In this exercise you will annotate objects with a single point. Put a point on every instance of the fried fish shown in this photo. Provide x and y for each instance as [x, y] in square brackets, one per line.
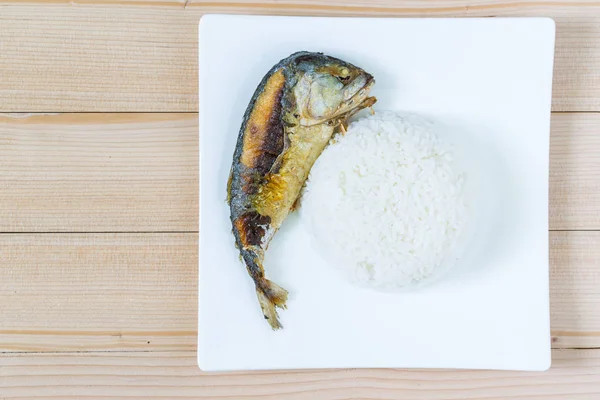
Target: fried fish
[298, 106]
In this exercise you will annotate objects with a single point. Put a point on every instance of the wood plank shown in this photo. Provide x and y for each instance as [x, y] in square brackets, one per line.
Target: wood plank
[575, 289]
[128, 55]
[139, 172]
[98, 291]
[575, 171]
[80, 292]
[77, 58]
[99, 172]
[575, 375]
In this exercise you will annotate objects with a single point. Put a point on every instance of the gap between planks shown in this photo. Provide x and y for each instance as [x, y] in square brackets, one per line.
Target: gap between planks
[25, 114]
[16, 353]
[92, 232]
[193, 232]
[116, 351]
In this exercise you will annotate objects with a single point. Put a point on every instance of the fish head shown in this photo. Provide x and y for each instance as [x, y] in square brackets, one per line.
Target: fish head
[328, 89]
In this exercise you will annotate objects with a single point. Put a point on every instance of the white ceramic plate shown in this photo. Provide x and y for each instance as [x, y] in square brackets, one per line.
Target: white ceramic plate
[487, 83]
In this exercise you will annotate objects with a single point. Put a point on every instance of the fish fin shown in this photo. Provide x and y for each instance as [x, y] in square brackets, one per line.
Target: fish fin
[270, 295]
[229, 181]
[295, 205]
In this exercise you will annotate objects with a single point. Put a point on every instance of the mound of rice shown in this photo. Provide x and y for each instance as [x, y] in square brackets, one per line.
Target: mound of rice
[384, 204]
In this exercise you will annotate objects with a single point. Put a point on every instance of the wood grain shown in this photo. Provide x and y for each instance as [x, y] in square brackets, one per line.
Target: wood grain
[575, 289]
[445, 6]
[124, 305]
[139, 172]
[575, 171]
[128, 55]
[575, 375]
[82, 292]
[99, 172]
[98, 291]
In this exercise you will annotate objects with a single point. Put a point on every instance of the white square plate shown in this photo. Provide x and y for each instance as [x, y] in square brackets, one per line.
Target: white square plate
[488, 80]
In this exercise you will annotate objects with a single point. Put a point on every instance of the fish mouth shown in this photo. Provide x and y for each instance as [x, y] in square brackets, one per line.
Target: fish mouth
[356, 97]
[359, 85]
[359, 96]
[359, 100]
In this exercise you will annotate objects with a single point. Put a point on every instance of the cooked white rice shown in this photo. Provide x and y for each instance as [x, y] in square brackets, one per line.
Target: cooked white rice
[385, 203]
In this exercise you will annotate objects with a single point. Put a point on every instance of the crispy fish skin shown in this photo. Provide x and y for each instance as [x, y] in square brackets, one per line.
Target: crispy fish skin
[294, 112]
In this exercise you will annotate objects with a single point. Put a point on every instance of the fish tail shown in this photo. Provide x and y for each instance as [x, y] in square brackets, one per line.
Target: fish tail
[270, 295]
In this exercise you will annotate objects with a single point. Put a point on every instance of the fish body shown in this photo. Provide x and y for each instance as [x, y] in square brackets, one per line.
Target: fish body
[300, 103]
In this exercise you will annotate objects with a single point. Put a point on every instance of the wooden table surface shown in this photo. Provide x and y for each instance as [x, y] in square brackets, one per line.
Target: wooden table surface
[99, 196]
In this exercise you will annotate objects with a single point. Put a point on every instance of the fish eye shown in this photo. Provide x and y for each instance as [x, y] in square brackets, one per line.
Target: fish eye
[343, 75]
